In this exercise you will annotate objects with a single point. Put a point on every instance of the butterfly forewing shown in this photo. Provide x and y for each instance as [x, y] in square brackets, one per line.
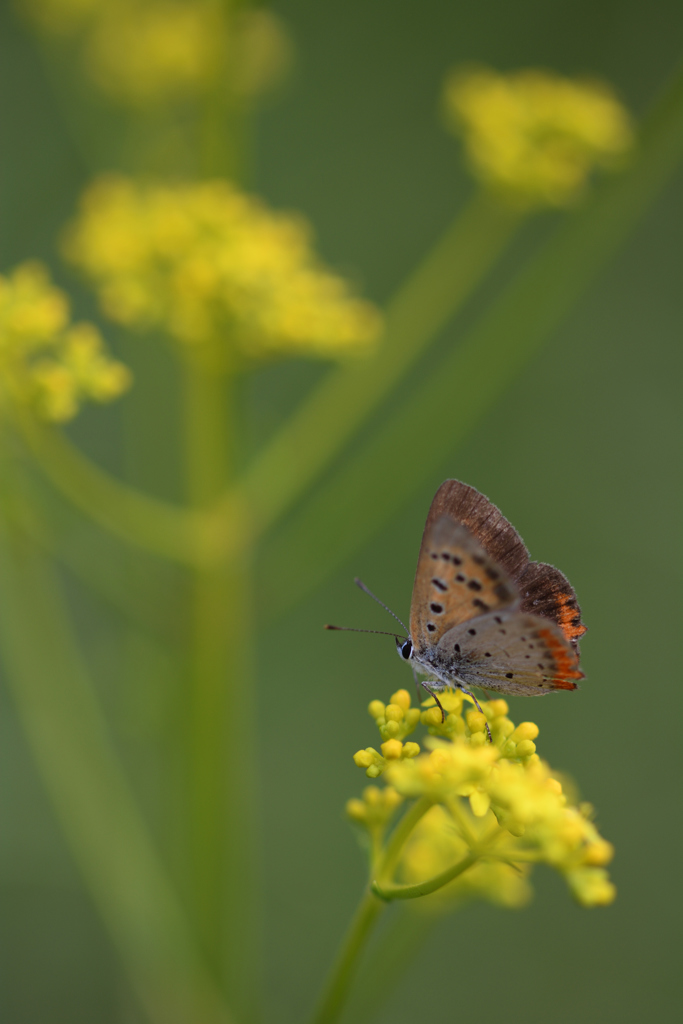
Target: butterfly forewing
[511, 652]
[543, 590]
[455, 581]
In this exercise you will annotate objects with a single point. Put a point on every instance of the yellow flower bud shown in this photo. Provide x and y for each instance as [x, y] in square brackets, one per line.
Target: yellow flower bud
[497, 708]
[355, 809]
[599, 853]
[376, 709]
[432, 716]
[392, 749]
[412, 718]
[364, 758]
[476, 722]
[402, 698]
[525, 731]
[393, 713]
[411, 749]
[525, 749]
[372, 794]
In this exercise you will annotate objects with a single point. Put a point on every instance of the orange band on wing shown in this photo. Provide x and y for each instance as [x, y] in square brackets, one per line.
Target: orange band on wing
[568, 619]
[565, 661]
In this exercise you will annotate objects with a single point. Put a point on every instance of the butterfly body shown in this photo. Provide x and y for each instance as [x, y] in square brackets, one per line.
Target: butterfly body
[482, 614]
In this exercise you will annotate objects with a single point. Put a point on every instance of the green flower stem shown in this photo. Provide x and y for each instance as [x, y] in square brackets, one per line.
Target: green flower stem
[158, 527]
[327, 419]
[220, 721]
[342, 974]
[411, 892]
[385, 866]
[102, 824]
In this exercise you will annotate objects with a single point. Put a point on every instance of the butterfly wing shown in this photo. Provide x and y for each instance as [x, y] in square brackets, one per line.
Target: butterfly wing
[547, 592]
[543, 590]
[456, 581]
[510, 652]
[485, 522]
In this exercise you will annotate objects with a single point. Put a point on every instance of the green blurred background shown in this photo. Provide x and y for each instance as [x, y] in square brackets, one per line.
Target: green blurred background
[582, 454]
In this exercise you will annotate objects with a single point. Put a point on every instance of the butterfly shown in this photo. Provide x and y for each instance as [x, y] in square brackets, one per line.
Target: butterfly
[482, 614]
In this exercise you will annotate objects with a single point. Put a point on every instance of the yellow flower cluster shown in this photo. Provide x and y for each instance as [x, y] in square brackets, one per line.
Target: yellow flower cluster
[47, 363]
[496, 801]
[535, 136]
[147, 52]
[395, 721]
[210, 265]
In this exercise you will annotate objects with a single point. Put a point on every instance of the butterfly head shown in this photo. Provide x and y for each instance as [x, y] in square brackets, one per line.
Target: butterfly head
[404, 648]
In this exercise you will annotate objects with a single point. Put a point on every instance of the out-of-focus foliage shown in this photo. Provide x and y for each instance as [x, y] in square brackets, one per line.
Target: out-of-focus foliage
[150, 52]
[47, 363]
[535, 136]
[213, 266]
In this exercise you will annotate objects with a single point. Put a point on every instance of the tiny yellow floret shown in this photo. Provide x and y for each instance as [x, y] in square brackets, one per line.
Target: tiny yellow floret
[476, 721]
[402, 698]
[392, 749]
[525, 731]
[376, 709]
[363, 758]
[393, 713]
[432, 716]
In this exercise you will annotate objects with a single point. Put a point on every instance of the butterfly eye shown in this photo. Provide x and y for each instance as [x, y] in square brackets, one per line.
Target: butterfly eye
[405, 650]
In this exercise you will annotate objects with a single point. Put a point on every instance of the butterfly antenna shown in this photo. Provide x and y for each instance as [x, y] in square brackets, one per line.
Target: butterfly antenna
[352, 629]
[359, 583]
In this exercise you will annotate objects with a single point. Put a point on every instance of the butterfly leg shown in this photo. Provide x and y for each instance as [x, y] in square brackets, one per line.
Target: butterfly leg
[431, 692]
[478, 707]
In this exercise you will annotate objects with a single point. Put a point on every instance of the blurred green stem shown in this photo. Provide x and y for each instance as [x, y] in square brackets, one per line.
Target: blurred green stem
[336, 991]
[220, 722]
[337, 988]
[91, 796]
[159, 527]
[324, 422]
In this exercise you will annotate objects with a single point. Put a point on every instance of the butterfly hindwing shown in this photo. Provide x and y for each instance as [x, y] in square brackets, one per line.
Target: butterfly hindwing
[511, 652]
[547, 592]
[456, 580]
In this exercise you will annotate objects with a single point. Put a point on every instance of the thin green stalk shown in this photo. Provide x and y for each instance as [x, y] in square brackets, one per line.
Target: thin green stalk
[320, 427]
[337, 989]
[341, 976]
[157, 526]
[221, 720]
[102, 824]
[411, 892]
[397, 839]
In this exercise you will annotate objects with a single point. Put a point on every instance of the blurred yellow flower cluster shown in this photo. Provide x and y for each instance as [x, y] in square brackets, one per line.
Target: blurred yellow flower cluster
[47, 363]
[534, 135]
[496, 801]
[146, 52]
[211, 265]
